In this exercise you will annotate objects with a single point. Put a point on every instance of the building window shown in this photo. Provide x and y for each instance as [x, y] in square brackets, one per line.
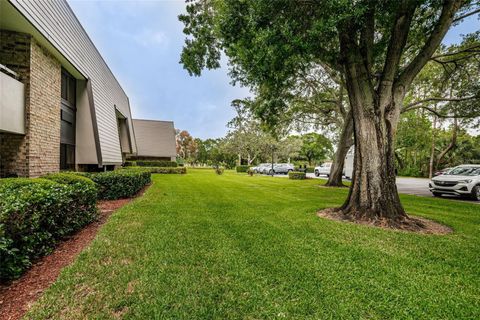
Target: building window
[68, 122]
[67, 156]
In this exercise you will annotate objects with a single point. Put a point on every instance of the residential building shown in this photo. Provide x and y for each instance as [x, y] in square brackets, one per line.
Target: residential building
[61, 107]
[155, 140]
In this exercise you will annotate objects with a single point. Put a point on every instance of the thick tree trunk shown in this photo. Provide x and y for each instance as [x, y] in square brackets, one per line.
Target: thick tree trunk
[344, 144]
[376, 107]
[373, 193]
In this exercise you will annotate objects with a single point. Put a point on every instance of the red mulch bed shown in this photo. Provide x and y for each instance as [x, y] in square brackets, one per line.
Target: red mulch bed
[17, 297]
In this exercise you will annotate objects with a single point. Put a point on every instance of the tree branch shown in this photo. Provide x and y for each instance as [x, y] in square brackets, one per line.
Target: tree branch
[367, 34]
[438, 114]
[432, 43]
[472, 49]
[463, 16]
[412, 105]
[397, 44]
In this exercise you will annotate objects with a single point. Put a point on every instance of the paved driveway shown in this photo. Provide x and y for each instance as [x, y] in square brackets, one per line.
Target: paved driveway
[407, 185]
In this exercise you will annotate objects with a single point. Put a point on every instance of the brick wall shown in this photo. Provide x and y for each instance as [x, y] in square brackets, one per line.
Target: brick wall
[43, 117]
[15, 54]
[38, 151]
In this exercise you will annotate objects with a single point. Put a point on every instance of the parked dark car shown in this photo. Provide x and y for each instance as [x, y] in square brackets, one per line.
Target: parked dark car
[442, 171]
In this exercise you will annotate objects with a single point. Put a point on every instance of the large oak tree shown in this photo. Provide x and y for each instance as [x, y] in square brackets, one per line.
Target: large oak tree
[378, 46]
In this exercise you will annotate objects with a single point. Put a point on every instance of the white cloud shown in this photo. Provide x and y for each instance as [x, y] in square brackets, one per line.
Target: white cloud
[149, 38]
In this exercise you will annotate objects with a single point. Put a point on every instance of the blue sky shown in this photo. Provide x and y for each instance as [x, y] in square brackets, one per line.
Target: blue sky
[141, 42]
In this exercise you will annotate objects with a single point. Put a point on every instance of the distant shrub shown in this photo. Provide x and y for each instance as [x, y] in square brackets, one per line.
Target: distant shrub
[410, 172]
[295, 175]
[242, 168]
[250, 172]
[303, 169]
[156, 163]
[130, 164]
[219, 170]
[36, 213]
[162, 170]
[120, 183]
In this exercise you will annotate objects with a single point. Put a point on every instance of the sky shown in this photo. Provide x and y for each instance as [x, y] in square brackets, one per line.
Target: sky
[141, 41]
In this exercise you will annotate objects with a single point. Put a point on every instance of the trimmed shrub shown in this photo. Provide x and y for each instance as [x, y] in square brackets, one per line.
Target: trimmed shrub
[130, 164]
[156, 163]
[120, 183]
[163, 170]
[219, 170]
[295, 175]
[83, 207]
[36, 213]
[303, 169]
[242, 168]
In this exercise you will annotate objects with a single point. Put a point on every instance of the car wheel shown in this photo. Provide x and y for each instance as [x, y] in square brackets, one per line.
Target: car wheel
[476, 193]
[328, 175]
[317, 174]
[436, 194]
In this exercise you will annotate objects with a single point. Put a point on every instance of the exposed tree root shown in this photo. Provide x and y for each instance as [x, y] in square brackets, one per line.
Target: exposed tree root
[407, 223]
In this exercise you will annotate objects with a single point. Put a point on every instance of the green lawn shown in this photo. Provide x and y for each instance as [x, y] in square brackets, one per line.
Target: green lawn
[202, 246]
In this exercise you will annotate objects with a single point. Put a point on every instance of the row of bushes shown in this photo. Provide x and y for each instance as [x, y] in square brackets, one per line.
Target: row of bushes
[163, 170]
[36, 213]
[152, 163]
[119, 183]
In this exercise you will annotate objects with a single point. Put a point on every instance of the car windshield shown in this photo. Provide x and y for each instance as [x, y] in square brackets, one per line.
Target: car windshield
[464, 171]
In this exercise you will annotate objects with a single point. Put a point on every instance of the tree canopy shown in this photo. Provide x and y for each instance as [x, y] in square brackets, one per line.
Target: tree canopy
[378, 47]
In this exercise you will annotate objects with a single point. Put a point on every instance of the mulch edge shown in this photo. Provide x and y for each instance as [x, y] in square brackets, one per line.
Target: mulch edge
[413, 224]
[18, 296]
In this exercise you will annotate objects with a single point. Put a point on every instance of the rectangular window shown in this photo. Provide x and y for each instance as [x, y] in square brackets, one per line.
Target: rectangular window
[67, 122]
[67, 157]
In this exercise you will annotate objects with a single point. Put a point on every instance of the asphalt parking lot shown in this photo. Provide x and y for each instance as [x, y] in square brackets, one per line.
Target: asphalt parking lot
[406, 185]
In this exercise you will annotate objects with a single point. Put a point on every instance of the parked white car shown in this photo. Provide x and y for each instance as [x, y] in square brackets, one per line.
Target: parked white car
[463, 180]
[262, 168]
[281, 168]
[323, 169]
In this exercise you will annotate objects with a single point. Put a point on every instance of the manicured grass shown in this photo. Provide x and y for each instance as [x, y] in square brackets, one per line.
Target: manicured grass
[203, 246]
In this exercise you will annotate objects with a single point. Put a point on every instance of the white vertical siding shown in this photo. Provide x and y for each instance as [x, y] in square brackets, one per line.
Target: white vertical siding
[56, 21]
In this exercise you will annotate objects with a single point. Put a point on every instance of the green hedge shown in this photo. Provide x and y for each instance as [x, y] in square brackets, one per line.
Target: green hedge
[157, 163]
[294, 175]
[120, 183]
[130, 164]
[242, 168]
[36, 213]
[163, 170]
[309, 169]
